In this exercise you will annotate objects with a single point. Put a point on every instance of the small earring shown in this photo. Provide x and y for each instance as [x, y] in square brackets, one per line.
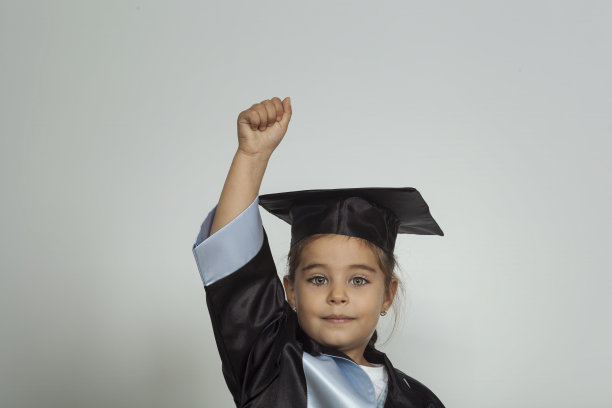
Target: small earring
[295, 309]
[383, 313]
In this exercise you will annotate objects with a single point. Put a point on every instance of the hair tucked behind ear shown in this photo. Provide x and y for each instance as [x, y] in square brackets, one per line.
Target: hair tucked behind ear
[386, 262]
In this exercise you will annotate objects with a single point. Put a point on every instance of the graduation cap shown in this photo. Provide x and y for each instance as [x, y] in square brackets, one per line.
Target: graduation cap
[376, 214]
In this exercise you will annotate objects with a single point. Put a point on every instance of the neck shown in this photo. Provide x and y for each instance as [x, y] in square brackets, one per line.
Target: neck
[357, 356]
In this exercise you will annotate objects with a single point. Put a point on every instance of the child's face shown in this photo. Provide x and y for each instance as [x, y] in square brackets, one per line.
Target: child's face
[339, 276]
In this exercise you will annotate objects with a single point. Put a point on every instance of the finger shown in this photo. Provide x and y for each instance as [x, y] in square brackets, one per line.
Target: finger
[250, 117]
[287, 112]
[278, 106]
[254, 114]
[263, 115]
[271, 112]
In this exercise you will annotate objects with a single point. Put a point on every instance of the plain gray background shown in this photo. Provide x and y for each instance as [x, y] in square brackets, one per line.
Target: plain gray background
[119, 125]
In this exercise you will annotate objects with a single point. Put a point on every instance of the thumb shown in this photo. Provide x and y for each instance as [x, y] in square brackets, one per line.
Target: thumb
[287, 113]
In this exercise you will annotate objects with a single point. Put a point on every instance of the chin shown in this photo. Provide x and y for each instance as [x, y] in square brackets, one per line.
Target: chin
[337, 342]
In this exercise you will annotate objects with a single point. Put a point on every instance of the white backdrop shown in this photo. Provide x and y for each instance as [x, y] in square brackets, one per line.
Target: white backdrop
[119, 125]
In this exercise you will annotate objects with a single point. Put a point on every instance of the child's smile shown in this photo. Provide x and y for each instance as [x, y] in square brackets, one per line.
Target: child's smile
[338, 319]
[339, 293]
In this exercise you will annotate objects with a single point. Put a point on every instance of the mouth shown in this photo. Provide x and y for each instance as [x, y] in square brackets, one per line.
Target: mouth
[338, 319]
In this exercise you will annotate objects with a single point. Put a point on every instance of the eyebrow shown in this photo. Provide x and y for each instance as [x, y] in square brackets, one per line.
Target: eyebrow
[353, 266]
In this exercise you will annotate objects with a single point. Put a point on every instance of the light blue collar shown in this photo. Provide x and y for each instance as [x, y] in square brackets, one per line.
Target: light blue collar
[333, 381]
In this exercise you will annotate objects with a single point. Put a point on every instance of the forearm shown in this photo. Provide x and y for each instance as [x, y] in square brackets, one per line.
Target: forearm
[260, 130]
[240, 189]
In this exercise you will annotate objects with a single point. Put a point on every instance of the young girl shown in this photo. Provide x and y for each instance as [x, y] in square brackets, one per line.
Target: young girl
[314, 348]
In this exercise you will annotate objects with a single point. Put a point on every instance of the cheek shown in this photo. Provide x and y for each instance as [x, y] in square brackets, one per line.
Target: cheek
[371, 299]
[306, 297]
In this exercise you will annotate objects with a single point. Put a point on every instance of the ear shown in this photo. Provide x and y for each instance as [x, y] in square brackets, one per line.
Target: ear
[289, 291]
[390, 295]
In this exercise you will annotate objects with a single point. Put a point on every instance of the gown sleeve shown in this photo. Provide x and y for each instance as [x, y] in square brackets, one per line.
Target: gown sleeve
[245, 299]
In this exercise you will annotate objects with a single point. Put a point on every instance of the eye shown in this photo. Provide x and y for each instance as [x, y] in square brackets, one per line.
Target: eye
[318, 280]
[359, 281]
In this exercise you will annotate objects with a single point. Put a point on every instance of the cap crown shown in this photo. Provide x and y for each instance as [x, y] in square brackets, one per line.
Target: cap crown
[376, 214]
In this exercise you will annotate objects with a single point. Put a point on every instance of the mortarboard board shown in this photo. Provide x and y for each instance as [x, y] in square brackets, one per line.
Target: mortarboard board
[376, 214]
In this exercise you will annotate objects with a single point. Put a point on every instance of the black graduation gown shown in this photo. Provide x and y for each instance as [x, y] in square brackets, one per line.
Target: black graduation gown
[261, 344]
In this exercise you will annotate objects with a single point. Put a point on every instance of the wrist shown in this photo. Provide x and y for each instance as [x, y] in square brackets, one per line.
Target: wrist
[250, 168]
[256, 159]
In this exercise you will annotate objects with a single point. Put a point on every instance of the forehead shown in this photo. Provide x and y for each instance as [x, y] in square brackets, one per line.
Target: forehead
[334, 249]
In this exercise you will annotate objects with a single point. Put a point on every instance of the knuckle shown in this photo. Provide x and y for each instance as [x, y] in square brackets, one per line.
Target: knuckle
[253, 116]
[268, 105]
[278, 105]
[261, 111]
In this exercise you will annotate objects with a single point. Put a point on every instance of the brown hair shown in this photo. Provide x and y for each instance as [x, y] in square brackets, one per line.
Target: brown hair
[386, 262]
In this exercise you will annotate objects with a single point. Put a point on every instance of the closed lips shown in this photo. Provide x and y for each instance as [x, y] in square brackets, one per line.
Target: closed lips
[338, 318]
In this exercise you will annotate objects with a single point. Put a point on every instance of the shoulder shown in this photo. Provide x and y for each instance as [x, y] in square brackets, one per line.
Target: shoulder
[417, 390]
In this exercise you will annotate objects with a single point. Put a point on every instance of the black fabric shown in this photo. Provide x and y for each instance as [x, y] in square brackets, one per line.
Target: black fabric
[376, 214]
[261, 344]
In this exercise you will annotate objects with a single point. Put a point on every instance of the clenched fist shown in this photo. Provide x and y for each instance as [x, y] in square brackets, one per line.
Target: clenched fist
[262, 127]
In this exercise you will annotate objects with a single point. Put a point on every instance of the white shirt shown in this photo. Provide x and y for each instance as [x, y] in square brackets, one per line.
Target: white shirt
[378, 375]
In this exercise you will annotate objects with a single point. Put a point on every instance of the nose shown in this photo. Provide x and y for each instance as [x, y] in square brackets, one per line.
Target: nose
[337, 295]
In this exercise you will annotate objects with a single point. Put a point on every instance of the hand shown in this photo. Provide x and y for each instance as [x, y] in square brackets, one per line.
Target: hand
[262, 127]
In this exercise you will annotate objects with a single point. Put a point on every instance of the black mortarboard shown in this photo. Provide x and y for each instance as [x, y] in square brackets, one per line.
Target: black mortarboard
[376, 214]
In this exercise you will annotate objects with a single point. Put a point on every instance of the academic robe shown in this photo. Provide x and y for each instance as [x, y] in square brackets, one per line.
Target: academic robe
[267, 360]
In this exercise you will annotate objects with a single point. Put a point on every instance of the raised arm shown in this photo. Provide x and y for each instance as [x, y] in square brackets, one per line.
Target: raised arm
[244, 295]
[260, 130]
